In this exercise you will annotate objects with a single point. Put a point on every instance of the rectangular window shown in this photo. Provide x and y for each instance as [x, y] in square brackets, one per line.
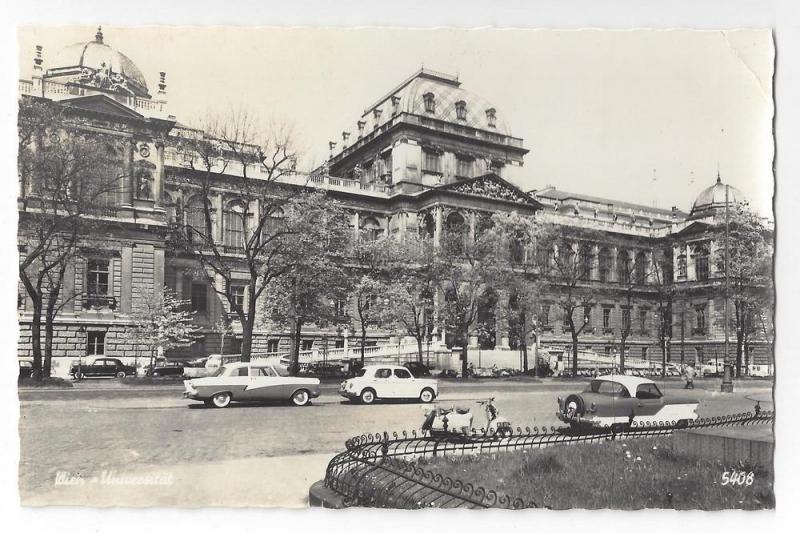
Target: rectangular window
[644, 353]
[626, 320]
[544, 315]
[643, 321]
[307, 345]
[587, 316]
[95, 343]
[340, 307]
[701, 264]
[237, 291]
[97, 277]
[430, 162]
[199, 298]
[272, 345]
[606, 318]
[233, 222]
[464, 167]
[700, 320]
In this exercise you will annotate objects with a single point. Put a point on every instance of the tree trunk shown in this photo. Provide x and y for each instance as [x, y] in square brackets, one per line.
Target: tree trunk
[297, 328]
[464, 354]
[363, 341]
[574, 333]
[739, 350]
[36, 340]
[419, 348]
[48, 347]
[622, 345]
[524, 355]
[247, 337]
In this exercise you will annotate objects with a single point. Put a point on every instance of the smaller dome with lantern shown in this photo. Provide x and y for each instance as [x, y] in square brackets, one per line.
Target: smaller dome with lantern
[712, 199]
[95, 64]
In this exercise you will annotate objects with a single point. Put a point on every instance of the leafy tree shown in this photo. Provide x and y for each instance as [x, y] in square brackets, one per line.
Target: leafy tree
[411, 291]
[749, 275]
[566, 274]
[163, 323]
[304, 294]
[255, 237]
[463, 273]
[65, 173]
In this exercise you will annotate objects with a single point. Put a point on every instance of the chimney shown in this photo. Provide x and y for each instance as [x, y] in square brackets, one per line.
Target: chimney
[331, 147]
[345, 136]
[162, 83]
[674, 212]
[99, 35]
[377, 114]
[37, 60]
[395, 105]
[361, 124]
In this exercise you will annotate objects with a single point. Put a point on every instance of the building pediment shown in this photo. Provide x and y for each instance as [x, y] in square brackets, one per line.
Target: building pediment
[493, 187]
[100, 103]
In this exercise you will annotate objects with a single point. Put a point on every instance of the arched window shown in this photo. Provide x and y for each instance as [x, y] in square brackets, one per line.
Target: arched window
[604, 264]
[682, 270]
[491, 117]
[170, 208]
[640, 268]
[623, 267]
[233, 224]
[273, 223]
[585, 262]
[456, 230]
[197, 230]
[567, 258]
[371, 229]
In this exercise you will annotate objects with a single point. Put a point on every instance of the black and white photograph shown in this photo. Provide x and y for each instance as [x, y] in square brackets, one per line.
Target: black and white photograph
[395, 268]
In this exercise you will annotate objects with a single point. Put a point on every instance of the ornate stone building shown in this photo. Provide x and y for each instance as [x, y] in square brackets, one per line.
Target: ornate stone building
[427, 157]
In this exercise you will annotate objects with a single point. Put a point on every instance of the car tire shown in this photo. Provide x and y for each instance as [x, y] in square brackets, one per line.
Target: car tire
[301, 398]
[427, 395]
[367, 396]
[121, 374]
[221, 400]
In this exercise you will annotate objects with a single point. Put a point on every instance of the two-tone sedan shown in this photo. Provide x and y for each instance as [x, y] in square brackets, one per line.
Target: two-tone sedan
[388, 382]
[617, 401]
[251, 382]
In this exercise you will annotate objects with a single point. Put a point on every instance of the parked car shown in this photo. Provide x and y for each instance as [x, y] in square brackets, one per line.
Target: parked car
[417, 369]
[171, 368]
[387, 381]
[617, 401]
[248, 382]
[108, 367]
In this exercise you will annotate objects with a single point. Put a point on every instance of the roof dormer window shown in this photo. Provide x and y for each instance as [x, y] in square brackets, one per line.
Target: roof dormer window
[430, 102]
[491, 117]
[461, 110]
[395, 105]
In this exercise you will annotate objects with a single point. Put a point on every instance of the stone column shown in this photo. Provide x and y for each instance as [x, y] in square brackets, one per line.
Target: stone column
[649, 268]
[356, 222]
[217, 219]
[594, 274]
[128, 181]
[472, 216]
[437, 232]
[159, 175]
[126, 271]
[614, 252]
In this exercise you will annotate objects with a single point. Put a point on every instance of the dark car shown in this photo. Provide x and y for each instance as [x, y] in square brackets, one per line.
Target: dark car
[166, 369]
[25, 369]
[417, 369]
[102, 367]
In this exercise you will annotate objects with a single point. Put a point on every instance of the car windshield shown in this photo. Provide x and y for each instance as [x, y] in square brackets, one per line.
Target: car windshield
[220, 371]
[361, 373]
[612, 388]
[282, 372]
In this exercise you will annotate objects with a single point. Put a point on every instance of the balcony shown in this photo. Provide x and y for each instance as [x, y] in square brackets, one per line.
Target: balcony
[96, 302]
[608, 331]
[699, 332]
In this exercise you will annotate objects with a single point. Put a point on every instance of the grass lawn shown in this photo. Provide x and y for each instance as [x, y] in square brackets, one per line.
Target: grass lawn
[633, 474]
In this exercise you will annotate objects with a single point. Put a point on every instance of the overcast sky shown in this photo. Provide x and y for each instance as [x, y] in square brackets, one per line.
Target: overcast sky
[644, 116]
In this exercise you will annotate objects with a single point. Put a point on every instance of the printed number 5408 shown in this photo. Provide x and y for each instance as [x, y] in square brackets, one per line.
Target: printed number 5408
[737, 478]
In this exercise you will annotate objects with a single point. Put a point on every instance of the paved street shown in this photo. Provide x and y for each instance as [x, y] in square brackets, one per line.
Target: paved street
[250, 455]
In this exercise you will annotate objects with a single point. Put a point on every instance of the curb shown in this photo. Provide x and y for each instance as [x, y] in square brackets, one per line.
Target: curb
[321, 496]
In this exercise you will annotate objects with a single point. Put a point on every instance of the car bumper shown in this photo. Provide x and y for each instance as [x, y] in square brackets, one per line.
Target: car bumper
[349, 394]
[581, 420]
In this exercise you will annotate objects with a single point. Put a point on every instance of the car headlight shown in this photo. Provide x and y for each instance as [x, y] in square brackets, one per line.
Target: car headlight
[350, 385]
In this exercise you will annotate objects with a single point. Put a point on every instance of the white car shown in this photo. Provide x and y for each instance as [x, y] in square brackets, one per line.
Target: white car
[388, 381]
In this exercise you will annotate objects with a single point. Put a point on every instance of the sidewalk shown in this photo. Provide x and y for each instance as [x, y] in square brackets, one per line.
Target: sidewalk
[233, 483]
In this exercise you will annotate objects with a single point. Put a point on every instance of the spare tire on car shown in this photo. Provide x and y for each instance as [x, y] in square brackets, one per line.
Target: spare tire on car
[574, 405]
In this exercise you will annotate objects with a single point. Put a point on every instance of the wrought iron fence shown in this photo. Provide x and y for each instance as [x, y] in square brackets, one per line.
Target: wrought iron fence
[376, 470]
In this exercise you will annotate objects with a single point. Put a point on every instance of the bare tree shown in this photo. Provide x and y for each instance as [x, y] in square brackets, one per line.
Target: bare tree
[64, 173]
[230, 159]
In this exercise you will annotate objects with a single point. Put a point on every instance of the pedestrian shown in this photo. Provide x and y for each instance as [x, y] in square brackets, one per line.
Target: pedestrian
[690, 373]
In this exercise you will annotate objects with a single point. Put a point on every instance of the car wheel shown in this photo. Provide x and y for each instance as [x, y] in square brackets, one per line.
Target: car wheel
[367, 396]
[121, 374]
[221, 399]
[426, 396]
[301, 397]
[574, 405]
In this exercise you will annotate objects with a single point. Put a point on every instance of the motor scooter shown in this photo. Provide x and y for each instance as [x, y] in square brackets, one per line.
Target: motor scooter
[457, 421]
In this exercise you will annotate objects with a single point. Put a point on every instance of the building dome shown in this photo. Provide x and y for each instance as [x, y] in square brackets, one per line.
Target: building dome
[96, 64]
[714, 197]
